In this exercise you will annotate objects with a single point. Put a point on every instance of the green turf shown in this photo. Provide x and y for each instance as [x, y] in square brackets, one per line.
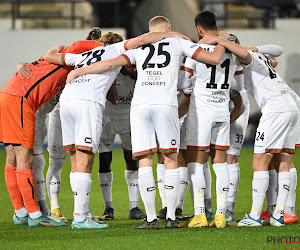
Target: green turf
[122, 233]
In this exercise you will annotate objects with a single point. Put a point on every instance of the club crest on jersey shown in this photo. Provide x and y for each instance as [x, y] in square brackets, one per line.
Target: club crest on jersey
[173, 142]
[88, 140]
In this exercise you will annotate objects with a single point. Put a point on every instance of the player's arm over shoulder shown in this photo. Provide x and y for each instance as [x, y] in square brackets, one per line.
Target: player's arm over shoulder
[150, 37]
[243, 55]
[269, 50]
[98, 67]
[54, 55]
[196, 52]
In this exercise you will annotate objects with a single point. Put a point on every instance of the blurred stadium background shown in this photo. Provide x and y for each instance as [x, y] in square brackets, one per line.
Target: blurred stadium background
[28, 28]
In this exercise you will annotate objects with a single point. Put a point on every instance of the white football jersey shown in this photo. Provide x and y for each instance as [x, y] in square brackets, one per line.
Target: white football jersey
[92, 87]
[293, 94]
[185, 82]
[263, 83]
[210, 96]
[185, 78]
[125, 88]
[158, 65]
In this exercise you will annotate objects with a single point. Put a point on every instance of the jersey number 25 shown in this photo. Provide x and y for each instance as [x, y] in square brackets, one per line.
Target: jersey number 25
[147, 63]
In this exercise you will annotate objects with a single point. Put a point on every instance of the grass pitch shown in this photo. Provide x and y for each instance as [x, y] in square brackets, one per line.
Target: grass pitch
[122, 233]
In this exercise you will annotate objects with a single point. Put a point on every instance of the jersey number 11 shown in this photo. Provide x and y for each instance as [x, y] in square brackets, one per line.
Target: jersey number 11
[212, 84]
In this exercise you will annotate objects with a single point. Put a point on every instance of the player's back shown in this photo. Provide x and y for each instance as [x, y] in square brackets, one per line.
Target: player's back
[292, 93]
[158, 66]
[47, 79]
[92, 87]
[263, 83]
[211, 91]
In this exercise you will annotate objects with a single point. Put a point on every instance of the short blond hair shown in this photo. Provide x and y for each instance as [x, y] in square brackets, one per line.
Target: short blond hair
[159, 20]
[111, 38]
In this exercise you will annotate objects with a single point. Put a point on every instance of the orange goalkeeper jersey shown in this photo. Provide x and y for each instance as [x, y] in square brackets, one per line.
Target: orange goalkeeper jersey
[47, 78]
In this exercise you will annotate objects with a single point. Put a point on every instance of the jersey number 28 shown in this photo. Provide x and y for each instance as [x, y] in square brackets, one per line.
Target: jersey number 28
[96, 56]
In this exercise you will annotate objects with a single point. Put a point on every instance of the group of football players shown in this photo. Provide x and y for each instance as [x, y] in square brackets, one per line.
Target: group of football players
[162, 94]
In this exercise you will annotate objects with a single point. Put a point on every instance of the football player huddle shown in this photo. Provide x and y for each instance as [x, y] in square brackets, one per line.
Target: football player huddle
[161, 93]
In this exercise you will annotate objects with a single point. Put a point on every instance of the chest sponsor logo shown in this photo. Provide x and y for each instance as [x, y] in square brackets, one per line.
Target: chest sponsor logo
[81, 79]
[218, 96]
[153, 78]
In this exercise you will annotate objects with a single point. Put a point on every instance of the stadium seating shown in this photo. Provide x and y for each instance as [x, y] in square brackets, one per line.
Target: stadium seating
[50, 15]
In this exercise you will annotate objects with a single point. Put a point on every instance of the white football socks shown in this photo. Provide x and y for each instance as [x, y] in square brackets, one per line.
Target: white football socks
[133, 187]
[172, 182]
[272, 191]
[82, 187]
[222, 186]
[260, 185]
[284, 181]
[148, 191]
[160, 170]
[291, 201]
[72, 184]
[105, 180]
[72, 181]
[53, 179]
[39, 181]
[21, 212]
[234, 177]
[195, 171]
[183, 187]
[207, 191]
[35, 214]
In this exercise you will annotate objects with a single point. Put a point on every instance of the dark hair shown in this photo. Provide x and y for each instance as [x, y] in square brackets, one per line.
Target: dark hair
[206, 19]
[233, 38]
[94, 34]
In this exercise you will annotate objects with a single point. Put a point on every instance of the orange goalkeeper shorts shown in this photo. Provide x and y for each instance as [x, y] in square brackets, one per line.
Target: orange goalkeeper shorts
[17, 121]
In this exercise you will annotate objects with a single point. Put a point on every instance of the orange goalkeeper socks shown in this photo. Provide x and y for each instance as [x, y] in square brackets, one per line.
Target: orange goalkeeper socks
[26, 185]
[13, 188]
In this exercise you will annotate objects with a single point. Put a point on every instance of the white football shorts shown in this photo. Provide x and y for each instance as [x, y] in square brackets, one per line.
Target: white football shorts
[55, 140]
[81, 122]
[237, 133]
[149, 122]
[205, 134]
[276, 133]
[297, 131]
[182, 127]
[112, 127]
